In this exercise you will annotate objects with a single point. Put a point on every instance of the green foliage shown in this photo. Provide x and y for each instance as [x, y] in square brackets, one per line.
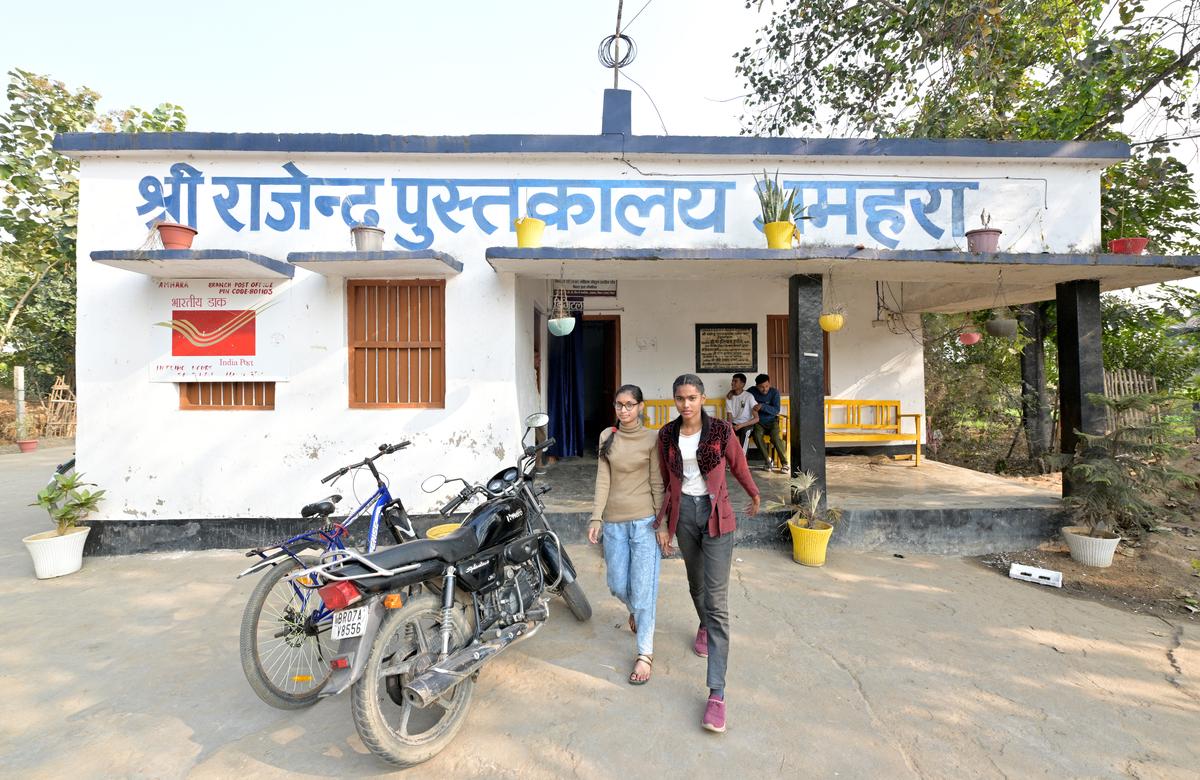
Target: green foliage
[777, 204]
[1138, 335]
[68, 500]
[806, 502]
[39, 202]
[1116, 474]
[1027, 70]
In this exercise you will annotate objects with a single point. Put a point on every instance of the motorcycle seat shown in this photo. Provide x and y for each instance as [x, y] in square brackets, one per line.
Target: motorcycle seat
[449, 549]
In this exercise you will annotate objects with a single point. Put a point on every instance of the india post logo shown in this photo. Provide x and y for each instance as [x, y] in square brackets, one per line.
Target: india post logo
[212, 333]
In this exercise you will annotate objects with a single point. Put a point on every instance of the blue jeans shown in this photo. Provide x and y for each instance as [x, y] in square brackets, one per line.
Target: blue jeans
[631, 556]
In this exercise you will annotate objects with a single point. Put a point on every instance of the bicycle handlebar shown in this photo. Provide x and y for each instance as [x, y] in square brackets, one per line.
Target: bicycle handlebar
[384, 449]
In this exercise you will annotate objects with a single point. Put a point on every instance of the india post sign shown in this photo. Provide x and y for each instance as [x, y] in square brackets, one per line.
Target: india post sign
[219, 330]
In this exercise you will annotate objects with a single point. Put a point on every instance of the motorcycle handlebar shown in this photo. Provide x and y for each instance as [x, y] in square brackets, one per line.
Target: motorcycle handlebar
[454, 503]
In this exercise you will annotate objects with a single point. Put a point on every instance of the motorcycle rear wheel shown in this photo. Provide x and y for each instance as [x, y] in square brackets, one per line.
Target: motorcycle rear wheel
[410, 638]
[285, 665]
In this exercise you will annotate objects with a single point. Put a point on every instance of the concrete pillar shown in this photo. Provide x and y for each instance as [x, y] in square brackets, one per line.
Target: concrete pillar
[1080, 363]
[806, 364]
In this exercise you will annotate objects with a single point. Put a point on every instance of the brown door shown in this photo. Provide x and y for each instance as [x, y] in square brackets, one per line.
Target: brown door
[778, 361]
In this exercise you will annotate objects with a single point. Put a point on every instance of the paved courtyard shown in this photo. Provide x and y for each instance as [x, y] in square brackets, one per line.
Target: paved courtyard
[872, 667]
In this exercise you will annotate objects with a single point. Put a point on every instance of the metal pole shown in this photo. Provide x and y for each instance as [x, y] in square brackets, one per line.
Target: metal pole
[19, 396]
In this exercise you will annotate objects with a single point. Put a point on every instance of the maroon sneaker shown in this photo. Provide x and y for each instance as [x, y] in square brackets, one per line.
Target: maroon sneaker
[714, 715]
[701, 645]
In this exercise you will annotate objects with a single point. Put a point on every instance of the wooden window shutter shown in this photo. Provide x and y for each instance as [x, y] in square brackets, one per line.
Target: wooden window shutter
[778, 361]
[397, 341]
[227, 396]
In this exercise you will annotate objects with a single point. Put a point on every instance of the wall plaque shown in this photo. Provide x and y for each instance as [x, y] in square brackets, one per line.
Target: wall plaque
[726, 347]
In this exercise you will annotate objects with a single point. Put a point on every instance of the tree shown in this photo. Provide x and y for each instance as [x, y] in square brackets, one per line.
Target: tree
[39, 202]
[1001, 70]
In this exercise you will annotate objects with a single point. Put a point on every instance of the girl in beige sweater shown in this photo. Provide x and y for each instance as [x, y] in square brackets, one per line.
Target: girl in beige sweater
[629, 491]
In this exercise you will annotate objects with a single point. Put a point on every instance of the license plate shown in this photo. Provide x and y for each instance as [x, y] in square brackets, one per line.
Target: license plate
[349, 623]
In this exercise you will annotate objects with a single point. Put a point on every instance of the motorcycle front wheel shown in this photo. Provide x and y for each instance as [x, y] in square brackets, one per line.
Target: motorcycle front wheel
[407, 644]
[577, 600]
[285, 653]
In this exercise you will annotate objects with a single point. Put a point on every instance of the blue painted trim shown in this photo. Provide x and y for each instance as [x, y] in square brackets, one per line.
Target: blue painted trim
[335, 257]
[738, 146]
[847, 253]
[270, 263]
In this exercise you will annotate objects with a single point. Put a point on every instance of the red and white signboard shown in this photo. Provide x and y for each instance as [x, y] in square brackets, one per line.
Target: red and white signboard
[220, 330]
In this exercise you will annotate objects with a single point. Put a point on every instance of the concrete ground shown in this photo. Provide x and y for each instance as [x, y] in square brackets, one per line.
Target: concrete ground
[872, 667]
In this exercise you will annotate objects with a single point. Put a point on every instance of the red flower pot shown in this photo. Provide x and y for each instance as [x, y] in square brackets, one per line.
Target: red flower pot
[27, 445]
[1128, 246]
[969, 338]
[175, 236]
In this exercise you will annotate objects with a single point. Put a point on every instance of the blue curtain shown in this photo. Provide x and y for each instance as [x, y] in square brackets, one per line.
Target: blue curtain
[566, 392]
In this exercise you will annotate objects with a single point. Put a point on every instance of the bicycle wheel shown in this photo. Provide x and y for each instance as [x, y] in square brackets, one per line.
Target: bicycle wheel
[285, 652]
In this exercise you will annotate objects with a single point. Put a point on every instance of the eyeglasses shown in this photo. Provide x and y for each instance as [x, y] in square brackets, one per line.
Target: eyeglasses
[625, 407]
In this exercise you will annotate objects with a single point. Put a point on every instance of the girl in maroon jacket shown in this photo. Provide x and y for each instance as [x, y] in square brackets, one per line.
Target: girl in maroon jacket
[694, 449]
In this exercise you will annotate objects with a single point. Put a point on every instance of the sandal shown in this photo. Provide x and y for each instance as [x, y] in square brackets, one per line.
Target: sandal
[646, 659]
[632, 623]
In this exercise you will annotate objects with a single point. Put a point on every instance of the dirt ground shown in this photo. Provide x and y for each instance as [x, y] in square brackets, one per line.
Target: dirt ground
[1158, 574]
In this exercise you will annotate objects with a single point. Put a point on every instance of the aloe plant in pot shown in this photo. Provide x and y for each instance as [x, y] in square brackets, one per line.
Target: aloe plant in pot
[1115, 475]
[780, 211]
[67, 500]
[811, 522]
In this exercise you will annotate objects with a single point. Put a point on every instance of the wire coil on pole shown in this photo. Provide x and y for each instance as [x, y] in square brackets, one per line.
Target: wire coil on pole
[609, 52]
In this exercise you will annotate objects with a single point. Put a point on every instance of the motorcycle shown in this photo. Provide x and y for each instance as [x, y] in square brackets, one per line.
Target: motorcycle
[417, 622]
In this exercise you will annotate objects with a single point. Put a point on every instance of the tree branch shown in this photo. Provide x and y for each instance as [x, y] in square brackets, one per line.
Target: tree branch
[1180, 64]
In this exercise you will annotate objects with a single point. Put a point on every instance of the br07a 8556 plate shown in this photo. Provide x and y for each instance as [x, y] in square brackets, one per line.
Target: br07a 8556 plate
[349, 623]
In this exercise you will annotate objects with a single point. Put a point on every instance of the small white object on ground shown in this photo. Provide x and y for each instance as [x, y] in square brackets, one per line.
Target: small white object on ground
[1019, 571]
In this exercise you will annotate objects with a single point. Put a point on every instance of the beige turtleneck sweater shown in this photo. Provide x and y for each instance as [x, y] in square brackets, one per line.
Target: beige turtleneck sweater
[628, 481]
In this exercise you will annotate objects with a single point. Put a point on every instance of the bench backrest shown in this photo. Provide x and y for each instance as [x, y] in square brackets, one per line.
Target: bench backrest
[844, 414]
[659, 412]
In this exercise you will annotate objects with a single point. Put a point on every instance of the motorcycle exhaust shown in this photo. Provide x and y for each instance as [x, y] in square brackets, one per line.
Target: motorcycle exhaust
[444, 676]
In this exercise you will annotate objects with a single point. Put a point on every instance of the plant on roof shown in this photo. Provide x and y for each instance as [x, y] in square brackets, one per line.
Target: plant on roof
[777, 204]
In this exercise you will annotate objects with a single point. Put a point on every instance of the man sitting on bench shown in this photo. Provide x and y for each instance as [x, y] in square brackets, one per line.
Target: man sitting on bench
[739, 408]
[768, 420]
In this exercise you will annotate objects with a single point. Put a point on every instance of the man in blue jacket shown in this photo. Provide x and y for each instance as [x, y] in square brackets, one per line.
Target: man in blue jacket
[768, 407]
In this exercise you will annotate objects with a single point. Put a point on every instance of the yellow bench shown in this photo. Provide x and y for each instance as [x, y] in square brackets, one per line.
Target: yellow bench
[848, 420]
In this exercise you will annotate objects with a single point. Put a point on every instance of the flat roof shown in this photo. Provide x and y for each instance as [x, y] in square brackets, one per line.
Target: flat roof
[81, 144]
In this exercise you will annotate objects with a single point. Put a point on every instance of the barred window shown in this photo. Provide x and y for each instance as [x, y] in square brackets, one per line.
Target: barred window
[397, 339]
[227, 396]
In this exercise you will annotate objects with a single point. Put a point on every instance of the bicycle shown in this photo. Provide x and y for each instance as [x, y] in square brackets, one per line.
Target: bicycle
[284, 640]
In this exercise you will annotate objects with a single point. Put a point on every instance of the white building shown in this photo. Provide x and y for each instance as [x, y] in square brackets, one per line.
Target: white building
[455, 350]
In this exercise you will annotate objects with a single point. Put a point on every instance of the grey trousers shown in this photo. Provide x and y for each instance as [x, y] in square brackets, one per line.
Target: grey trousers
[708, 560]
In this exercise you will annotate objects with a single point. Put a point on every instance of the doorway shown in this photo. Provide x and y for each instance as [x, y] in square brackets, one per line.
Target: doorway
[601, 375]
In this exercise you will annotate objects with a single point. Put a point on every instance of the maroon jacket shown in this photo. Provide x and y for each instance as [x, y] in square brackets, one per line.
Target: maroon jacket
[717, 446]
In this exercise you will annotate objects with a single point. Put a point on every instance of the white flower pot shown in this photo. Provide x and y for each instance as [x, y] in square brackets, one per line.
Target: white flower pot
[1091, 550]
[54, 555]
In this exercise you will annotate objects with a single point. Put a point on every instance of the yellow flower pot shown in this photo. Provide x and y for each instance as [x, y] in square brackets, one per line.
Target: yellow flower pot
[438, 531]
[809, 543]
[832, 322]
[529, 232]
[779, 234]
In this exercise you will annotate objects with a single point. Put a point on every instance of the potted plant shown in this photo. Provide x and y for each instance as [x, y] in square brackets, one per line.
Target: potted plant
[780, 212]
[1002, 324]
[810, 524]
[1114, 475]
[367, 238]
[1130, 245]
[25, 442]
[832, 318]
[67, 500]
[969, 337]
[174, 235]
[986, 238]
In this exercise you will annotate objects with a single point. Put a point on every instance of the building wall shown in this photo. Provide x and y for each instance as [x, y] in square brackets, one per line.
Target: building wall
[156, 461]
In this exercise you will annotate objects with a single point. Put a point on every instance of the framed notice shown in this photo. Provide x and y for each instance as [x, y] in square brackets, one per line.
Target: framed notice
[219, 330]
[724, 347]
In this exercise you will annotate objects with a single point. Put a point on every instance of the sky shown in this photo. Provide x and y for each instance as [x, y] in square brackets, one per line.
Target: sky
[403, 67]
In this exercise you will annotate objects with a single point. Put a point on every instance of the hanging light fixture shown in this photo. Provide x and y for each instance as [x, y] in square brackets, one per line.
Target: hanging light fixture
[561, 322]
